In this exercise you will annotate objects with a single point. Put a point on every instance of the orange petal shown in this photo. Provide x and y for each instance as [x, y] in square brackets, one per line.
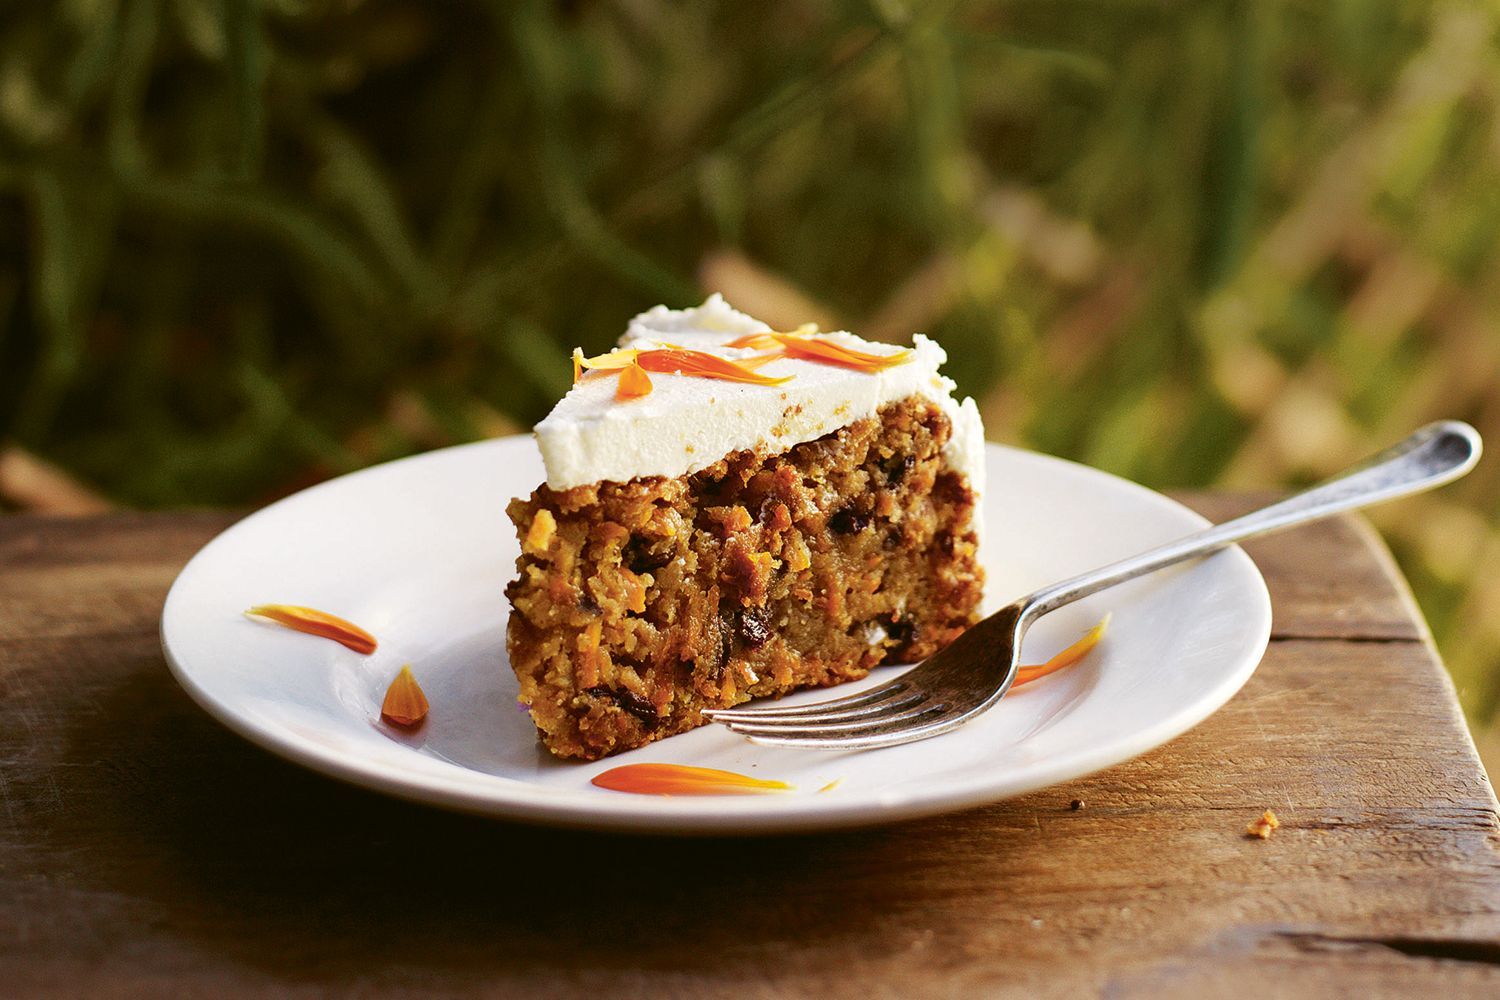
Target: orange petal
[678, 779]
[404, 704]
[622, 358]
[751, 362]
[1067, 657]
[757, 341]
[577, 365]
[315, 622]
[760, 359]
[702, 365]
[634, 382]
[837, 354]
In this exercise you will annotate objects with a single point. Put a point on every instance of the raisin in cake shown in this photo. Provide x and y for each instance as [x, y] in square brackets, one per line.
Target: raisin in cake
[732, 512]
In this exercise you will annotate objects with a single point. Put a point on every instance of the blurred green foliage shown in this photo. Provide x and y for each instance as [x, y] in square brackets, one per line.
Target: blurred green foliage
[247, 245]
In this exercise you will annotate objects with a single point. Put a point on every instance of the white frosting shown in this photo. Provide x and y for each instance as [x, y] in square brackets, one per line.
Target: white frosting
[713, 317]
[686, 423]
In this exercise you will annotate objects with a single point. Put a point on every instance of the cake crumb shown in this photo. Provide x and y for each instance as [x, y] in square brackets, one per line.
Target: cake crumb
[1263, 826]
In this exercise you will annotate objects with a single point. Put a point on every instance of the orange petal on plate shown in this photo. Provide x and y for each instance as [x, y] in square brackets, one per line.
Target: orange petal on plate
[679, 779]
[634, 382]
[702, 365]
[1067, 657]
[315, 622]
[837, 354]
[404, 704]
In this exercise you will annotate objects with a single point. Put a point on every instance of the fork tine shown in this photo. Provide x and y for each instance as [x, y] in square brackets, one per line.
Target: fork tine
[871, 723]
[872, 738]
[937, 695]
[877, 694]
[867, 711]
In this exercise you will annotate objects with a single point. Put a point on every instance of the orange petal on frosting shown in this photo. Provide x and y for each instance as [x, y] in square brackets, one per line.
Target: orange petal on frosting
[833, 353]
[758, 360]
[800, 344]
[756, 341]
[622, 358]
[770, 338]
[634, 382]
[404, 704]
[679, 779]
[702, 365]
[315, 622]
[1067, 657]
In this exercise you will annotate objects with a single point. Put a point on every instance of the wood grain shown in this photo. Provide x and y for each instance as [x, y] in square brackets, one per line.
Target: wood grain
[1335, 580]
[146, 850]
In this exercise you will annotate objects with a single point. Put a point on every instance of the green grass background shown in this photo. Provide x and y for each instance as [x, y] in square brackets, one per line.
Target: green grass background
[249, 245]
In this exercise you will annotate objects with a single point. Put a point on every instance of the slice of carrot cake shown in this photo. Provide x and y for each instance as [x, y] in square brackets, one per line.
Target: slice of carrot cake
[732, 512]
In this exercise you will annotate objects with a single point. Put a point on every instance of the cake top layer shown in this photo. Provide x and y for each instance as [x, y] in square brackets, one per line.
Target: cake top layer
[685, 422]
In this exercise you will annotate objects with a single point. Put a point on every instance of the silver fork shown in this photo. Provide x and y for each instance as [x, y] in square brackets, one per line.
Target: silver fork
[977, 669]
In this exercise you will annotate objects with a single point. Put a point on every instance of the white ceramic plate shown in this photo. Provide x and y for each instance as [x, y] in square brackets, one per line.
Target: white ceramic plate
[419, 551]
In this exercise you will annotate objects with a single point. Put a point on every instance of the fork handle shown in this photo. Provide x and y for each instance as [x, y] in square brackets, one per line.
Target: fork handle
[1438, 453]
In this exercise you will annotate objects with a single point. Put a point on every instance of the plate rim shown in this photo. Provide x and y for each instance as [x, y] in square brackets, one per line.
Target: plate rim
[717, 816]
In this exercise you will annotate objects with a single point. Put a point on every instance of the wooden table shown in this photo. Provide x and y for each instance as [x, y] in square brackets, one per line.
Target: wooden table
[145, 849]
